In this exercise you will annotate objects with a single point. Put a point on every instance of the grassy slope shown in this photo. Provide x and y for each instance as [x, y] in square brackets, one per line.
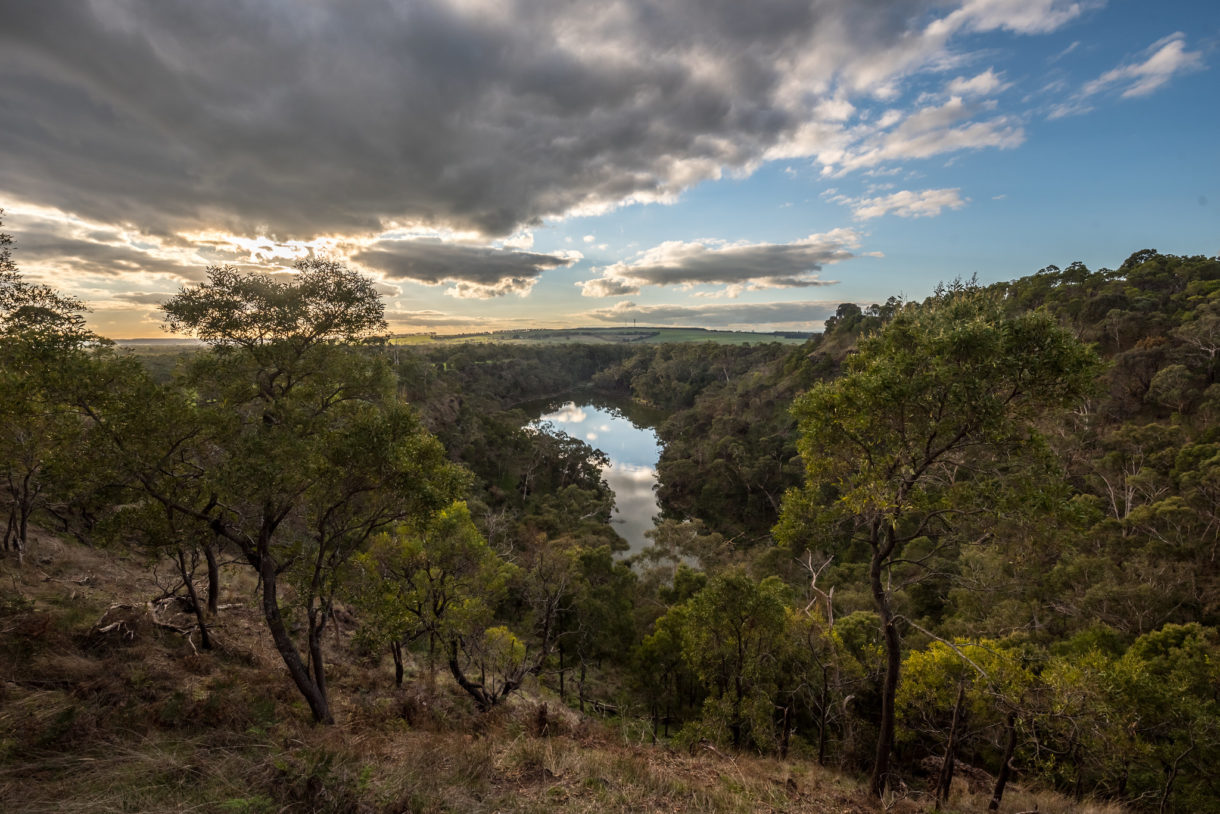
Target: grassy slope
[137, 720]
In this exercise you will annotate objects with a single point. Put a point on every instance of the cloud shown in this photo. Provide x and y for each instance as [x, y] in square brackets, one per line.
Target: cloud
[401, 320]
[608, 287]
[983, 84]
[62, 249]
[758, 265]
[1020, 16]
[905, 203]
[929, 131]
[144, 297]
[803, 315]
[1153, 69]
[1162, 60]
[356, 117]
[472, 271]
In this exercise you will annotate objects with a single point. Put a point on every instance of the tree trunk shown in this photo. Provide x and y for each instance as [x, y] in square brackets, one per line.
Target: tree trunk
[314, 695]
[1001, 779]
[200, 617]
[786, 732]
[482, 699]
[945, 781]
[822, 710]
[11, 530]
[889, 690]
[396, 652]
[23, 532]
[213, 579]
[1171, 774]
[316, 627]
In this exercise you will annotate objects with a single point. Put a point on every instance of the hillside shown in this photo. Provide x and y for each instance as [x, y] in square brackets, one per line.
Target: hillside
[969, 539]
[101, 710]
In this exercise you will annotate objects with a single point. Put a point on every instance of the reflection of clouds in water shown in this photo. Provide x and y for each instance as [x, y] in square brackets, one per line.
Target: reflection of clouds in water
[635, 500]
[632, 473]
[568, 414]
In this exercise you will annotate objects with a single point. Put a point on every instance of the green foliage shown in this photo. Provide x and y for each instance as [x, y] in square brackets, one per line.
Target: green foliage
[732, 635]
[323, 301]
[443, 582]
[44, 345]
[922, 437]
[303, 451]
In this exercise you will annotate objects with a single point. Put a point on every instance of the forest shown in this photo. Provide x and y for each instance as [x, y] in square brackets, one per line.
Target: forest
[966, 542]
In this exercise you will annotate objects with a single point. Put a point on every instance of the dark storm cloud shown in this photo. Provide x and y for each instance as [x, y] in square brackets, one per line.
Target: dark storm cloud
[299, 119]
[475, 270]
[805, 314]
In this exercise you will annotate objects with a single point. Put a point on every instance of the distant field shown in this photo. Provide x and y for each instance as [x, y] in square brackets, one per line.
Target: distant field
[606, 336]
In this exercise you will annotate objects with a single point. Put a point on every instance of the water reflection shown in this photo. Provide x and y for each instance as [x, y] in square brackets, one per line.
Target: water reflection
[633, 450]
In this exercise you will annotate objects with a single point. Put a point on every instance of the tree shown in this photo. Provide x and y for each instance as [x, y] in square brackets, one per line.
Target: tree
[734, 634]
[439, 584]
[963, 692]
[43, 341]
[309, 455]
[931, 417]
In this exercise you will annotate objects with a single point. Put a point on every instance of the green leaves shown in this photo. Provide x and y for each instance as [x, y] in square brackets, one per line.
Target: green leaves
[442, 580]
[323, 301]
[734, 636]
[932, 401]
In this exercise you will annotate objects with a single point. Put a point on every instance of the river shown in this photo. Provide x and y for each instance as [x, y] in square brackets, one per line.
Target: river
[625, 434]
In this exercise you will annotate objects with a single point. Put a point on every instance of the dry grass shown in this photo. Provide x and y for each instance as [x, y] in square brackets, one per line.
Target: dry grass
[146, 723]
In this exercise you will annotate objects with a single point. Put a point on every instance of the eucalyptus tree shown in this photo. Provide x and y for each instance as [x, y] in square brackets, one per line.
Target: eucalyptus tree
[42, 338]
[305, 454]
[931, 424]
[439, 584]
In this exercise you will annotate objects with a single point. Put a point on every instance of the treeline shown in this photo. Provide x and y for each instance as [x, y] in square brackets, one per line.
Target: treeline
[730, 438]
[978, 529]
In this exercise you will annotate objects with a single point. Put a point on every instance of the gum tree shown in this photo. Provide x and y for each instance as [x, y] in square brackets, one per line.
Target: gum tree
[932, 420]
[43, 340]
[307, 454]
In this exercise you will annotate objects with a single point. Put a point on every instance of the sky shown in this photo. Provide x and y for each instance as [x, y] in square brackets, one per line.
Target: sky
[549, 163]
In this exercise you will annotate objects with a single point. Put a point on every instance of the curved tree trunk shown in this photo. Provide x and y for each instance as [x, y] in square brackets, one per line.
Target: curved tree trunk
[314, 695]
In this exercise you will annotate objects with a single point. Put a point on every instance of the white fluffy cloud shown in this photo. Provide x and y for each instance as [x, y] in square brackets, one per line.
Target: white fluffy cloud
[928, 131]
[905, 203]
[1161, 61]
[984, 84]
[1146, 73]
